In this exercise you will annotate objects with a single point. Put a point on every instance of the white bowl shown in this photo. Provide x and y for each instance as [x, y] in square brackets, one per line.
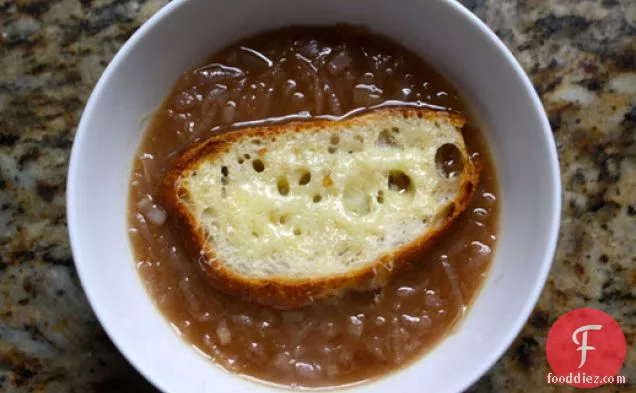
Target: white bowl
[182, 35]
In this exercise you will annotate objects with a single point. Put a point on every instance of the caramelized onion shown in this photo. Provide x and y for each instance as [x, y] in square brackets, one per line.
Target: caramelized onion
[156, 215]
[339, 63]
[223, 333]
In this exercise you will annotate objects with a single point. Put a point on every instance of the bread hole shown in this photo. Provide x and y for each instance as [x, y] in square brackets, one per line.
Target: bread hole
[225, 171]
[335, 139]
[258, 165]
[305, 178]
[256, 141]
[380, 197]
[437, 124]
[273, 217]
[386, 139]
[297, 232]
[449, 160]
[358, 138]
[241, 161]
[283, 219]
[343, 251]
[331, 149]
[255, 234]
[247, 156]
[224, 181]
[317, 198]
[399, 182]
[395, 130]
[283, 186]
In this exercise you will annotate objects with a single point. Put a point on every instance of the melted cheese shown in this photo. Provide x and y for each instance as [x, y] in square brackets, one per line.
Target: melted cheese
[326, 201]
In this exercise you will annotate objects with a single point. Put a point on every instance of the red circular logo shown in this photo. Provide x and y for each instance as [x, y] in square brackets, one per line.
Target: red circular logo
[585, 348]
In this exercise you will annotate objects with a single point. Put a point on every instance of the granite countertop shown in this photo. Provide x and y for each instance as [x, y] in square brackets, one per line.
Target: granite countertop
[580, 54]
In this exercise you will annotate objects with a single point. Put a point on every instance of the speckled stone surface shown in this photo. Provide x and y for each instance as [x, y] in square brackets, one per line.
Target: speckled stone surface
[580, 54]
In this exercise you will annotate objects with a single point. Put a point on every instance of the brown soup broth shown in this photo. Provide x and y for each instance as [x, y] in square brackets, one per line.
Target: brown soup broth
[308, 72]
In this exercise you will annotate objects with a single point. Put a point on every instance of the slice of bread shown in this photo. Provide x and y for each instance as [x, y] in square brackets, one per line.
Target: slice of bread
[290, 213]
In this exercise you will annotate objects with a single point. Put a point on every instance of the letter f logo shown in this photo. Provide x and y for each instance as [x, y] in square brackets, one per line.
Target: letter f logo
[584, 347]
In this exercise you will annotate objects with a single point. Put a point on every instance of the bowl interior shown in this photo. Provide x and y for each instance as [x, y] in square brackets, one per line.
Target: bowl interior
[182, 35]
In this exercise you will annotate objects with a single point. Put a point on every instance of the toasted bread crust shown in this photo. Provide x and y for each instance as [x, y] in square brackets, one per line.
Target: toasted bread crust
[280, 292]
